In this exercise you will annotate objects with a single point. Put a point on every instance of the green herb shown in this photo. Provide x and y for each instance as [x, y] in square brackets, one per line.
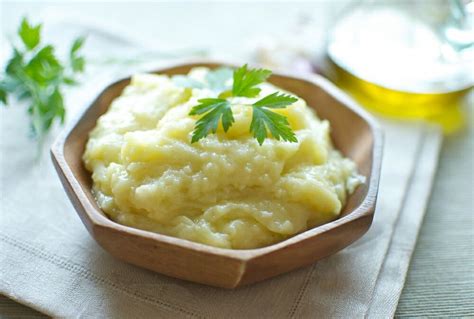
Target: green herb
[36, 75]
[277, 124]
[29, 35]
[215, 110]
[264, 120]
[245, 81]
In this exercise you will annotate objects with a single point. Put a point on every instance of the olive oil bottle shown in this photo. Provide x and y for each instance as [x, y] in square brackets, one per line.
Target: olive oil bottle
[407, 61]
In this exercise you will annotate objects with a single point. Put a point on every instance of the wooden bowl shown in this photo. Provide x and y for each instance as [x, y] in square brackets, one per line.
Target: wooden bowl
[353, 132]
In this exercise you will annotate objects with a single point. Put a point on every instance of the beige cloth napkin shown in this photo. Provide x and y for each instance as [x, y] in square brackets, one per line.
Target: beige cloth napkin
[49, 262]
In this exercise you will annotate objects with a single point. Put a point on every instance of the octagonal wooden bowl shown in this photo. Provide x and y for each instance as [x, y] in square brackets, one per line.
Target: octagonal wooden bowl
[353, 132]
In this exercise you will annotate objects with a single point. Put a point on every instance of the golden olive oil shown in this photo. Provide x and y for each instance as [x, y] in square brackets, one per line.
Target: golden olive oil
[445, 108]
[399, 61]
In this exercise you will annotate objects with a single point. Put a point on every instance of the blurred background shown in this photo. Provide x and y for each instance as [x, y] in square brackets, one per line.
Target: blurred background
[404, 61]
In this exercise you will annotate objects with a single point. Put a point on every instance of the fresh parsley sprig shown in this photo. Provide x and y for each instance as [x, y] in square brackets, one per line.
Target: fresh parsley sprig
[264, 120]
[36, 75]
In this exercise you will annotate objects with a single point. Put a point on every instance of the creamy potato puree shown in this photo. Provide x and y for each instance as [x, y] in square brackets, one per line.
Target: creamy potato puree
[225, 190]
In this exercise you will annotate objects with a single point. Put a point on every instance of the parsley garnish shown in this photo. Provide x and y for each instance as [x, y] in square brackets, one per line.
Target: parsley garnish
[277, 124]
[245, 81]
[217, 110]
[36, 75]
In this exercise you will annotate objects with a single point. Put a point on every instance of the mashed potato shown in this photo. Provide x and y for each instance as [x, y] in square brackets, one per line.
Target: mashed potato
[225, 190]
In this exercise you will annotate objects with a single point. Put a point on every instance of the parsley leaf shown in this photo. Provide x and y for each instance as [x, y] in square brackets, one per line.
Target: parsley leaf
[30, 35]
[15, 63]
[245, 81]
[44, 66]
[215, 110]
[277, 124]
[276, 101]
[3, 96]
[76, 45]
[77, 61]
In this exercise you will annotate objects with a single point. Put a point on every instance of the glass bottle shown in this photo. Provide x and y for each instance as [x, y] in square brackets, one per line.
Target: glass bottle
[408, 60]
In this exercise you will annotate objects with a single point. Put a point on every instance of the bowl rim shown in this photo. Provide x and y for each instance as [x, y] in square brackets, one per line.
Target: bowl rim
[365, 208]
